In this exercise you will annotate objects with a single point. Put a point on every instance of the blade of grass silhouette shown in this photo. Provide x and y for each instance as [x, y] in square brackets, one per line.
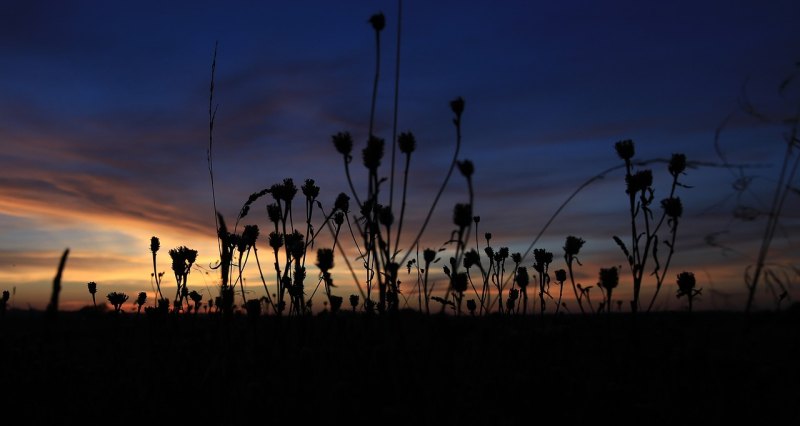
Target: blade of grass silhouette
[52, 307]
[212, 115]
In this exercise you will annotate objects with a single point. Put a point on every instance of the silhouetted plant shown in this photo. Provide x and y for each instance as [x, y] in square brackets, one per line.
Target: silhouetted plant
[93, 290]
[155, 244]
[644, 243]
[471, 306]
[561, 276]
[522, 280]
[686, 287]
[197, 298]
[543, 259]
[609, 279]
[182, 260]
[354, 302]
[572, 248]
[141, 299]
[116, 300]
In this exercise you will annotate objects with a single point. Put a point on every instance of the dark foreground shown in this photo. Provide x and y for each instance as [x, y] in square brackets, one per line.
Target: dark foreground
[654, 369]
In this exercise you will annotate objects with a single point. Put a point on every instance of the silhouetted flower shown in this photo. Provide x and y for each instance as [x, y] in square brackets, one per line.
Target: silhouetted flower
[274, 213]
[294, 242]
[457, 105]
[354, 301]
[141, 299]
[460, 282]
[513, 294]
[516, 257]
[471, 306]
[609, 278]
[343, 143]
[407, 142]
[471, 258]
[275, 240]
[462, 215]
[489, 252]
[310, 190]
[522, 279]
[154, 244]
[677, 164]
[6, 296]
[542, 258]
[672, 207]
[639, 181]
[325, 259]
[573, 246]
[195, 297]
[378, 21]
[466, 168]
[686, 283]
[342, 203]
[625, 149]
[250, 235]
[284, 191]
[385, 216]
[92, 287]
[117, 299]
[487, 236]
[503, 252]
[429, 255]
[561, 275]
[373, 153]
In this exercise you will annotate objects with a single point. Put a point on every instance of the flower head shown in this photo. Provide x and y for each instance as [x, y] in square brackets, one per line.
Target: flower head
[639, 181]
[274, 213]
[429, 255]
[561, 275]
[325, 259]
[625, 149]
[92, 287]
[310, 190]
[462, 215]
[407, 142]
[686, 283]
[250, 235]
[471, 258]
[672, 207]
[378, 21]
[457, 105]
[342, 203]
[154, 244]
[609, 278]
[373, 153]
[343, 143]
[460, 282]
[466, 168]
[573, 246]
[522, 279]
[677, 164]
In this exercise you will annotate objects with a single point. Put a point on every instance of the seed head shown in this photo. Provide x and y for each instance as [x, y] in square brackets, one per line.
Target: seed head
[310, 190]
[639, 181]
[522, 279]
[673, 207]
[466, 168]
[429, 255]
[92, 287]
[609, 278]
[625, 149]
[373, 153]
[378, 21]
[343, 143]
[462, 215]
[154, 244]
[677, 164]
[342, 203]
[573, 246]
[457, 105]
[325, 259]
[407, 142]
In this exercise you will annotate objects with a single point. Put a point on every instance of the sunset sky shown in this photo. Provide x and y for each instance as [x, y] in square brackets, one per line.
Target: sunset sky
[104, 126]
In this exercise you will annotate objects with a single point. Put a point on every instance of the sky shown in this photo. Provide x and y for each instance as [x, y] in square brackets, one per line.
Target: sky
[104, 127]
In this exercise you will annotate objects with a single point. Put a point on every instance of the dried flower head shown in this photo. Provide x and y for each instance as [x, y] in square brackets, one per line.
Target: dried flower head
[673, 207]
[457, 105]
[250, 235]
[407, 142]
[625, 149]
[274, 213]
[471, 306]
[516, 257]
[677, 164]
[429, 255]
[466, 168]
[639, 181]
[342, 203]
[154, 244]
[310, 190]
[573, 246]
[462, 215]
[609, 278]
[460, 282]
[503, 252]
[141, 299]
[92, 287]
[354, 300]
[471, 258]
[373, 153]
[275, 240]
[686, 283]
[343, 143]
[561, 275]
[378, 21]
[325, 259]
[338, 218]
[522, 279]
[385, 216]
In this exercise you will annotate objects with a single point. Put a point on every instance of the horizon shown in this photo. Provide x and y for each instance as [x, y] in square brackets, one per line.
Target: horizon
[105, 123]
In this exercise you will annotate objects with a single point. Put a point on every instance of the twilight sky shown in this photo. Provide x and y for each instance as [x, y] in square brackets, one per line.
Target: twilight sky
[103, 125]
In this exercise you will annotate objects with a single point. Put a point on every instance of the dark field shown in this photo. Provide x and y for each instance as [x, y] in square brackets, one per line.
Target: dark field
[657, 368]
